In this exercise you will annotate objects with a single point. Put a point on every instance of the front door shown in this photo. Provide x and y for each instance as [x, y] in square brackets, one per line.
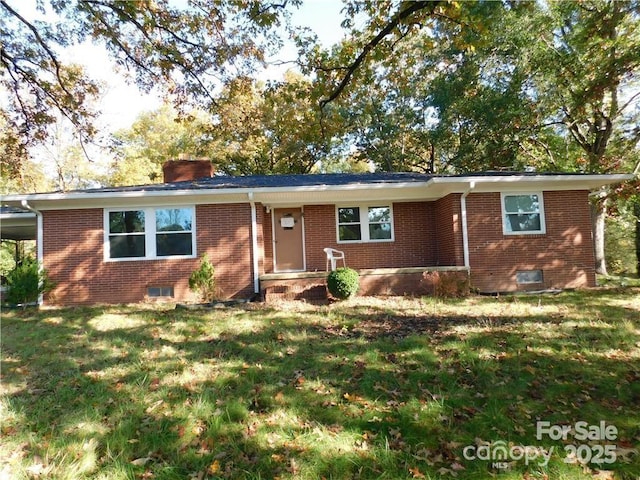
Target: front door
[288, 240]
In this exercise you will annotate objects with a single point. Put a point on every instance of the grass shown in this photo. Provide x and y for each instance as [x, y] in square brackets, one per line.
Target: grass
[368, 388]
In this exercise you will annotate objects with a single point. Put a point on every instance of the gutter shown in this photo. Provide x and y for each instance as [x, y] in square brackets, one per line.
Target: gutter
[254, 244]
[39, 241]
[465, 233]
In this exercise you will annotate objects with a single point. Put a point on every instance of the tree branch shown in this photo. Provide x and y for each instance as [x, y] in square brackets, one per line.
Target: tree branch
[373, 43]
[41, 42]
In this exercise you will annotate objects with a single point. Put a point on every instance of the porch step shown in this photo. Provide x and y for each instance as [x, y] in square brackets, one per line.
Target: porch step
[313, 288]
[380, 281]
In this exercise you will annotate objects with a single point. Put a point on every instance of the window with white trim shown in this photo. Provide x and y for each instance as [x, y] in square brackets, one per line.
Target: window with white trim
[149, 233]
[522, 213]
[364, 223]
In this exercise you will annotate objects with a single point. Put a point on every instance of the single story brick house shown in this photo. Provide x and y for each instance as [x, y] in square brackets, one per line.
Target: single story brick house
[266, 234]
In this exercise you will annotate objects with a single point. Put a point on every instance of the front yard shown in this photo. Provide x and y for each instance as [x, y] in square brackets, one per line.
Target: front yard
[368, 388]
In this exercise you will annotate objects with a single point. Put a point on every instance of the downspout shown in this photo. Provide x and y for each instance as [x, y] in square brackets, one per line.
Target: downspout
[254, 244]
[39, 240]
[465, 233]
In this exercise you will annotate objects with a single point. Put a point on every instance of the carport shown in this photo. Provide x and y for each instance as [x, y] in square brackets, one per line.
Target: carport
[17, 225]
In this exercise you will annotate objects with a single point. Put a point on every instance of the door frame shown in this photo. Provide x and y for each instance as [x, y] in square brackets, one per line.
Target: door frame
[273, 239]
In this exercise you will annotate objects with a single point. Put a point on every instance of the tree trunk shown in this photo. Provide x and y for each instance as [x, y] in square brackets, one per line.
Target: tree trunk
[598, 216]
[636, 213]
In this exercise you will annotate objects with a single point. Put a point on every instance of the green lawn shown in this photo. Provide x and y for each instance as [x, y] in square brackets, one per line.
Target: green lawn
[368, 388]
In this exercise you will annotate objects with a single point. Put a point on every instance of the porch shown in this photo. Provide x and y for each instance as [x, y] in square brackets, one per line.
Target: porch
[373, 281]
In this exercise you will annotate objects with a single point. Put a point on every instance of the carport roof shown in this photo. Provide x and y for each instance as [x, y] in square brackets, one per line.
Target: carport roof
[17, 224]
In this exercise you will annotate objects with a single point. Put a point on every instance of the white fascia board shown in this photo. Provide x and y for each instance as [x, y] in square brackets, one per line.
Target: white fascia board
[4, 217]
[496, 183]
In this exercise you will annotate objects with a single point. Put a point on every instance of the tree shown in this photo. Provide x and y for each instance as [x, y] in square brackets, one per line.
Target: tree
[188, 50]
[273, 128]
[154, 138]
[586, 62]
[553, 85]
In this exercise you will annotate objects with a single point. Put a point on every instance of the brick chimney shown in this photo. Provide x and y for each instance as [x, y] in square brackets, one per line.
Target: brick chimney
[185, 170]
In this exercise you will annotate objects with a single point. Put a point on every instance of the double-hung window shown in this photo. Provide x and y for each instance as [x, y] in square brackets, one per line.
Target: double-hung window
[365, 223]
[522, 213]
[148, 233]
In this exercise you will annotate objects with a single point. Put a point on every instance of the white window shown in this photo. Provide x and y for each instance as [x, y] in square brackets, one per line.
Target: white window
[364, 223]
[160, 291]
[522, 213]
[149, 233]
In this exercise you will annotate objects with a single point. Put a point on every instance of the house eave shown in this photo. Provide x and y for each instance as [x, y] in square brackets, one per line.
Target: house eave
[431, 189]
[528, 182]
[315, 194]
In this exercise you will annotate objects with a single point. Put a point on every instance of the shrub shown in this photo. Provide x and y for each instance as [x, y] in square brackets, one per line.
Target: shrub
[26, 282]
[203, 280]
[343, 283]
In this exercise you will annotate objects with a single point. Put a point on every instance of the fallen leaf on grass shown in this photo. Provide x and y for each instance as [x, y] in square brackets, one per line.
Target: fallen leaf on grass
[625, 454]
[445, 472]
[424, 455]
[416, 473]
[36, 469]
[293, 467]
[603, 475]
[214, 468]
[153, 406]
[139, 462]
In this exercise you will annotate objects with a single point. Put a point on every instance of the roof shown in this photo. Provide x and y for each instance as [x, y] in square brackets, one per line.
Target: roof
[311, 189]
[17, 223]
[267, 181]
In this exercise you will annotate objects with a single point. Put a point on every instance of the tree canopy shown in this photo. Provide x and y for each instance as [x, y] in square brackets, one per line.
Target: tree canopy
[414, 85]
[188, 50]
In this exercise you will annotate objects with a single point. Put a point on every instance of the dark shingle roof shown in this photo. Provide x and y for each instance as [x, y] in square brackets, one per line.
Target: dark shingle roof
[221, 182]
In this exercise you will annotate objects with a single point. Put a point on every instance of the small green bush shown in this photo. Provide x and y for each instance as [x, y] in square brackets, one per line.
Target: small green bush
[343, 283]
[26, 282]
[203, 280]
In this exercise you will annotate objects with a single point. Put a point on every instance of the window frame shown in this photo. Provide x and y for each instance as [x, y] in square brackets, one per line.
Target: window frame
[364, 222]
[526, 273]
[541, 212]
[150, 233]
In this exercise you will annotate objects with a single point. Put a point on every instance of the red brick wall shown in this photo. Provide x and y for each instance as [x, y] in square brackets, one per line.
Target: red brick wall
[74, 258]
[414, 243]
[448, 225]
[564, 253]
[267, 230]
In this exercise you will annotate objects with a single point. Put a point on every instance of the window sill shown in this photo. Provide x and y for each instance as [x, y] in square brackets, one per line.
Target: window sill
[359, 242]
[148, 259]
[524, 234]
